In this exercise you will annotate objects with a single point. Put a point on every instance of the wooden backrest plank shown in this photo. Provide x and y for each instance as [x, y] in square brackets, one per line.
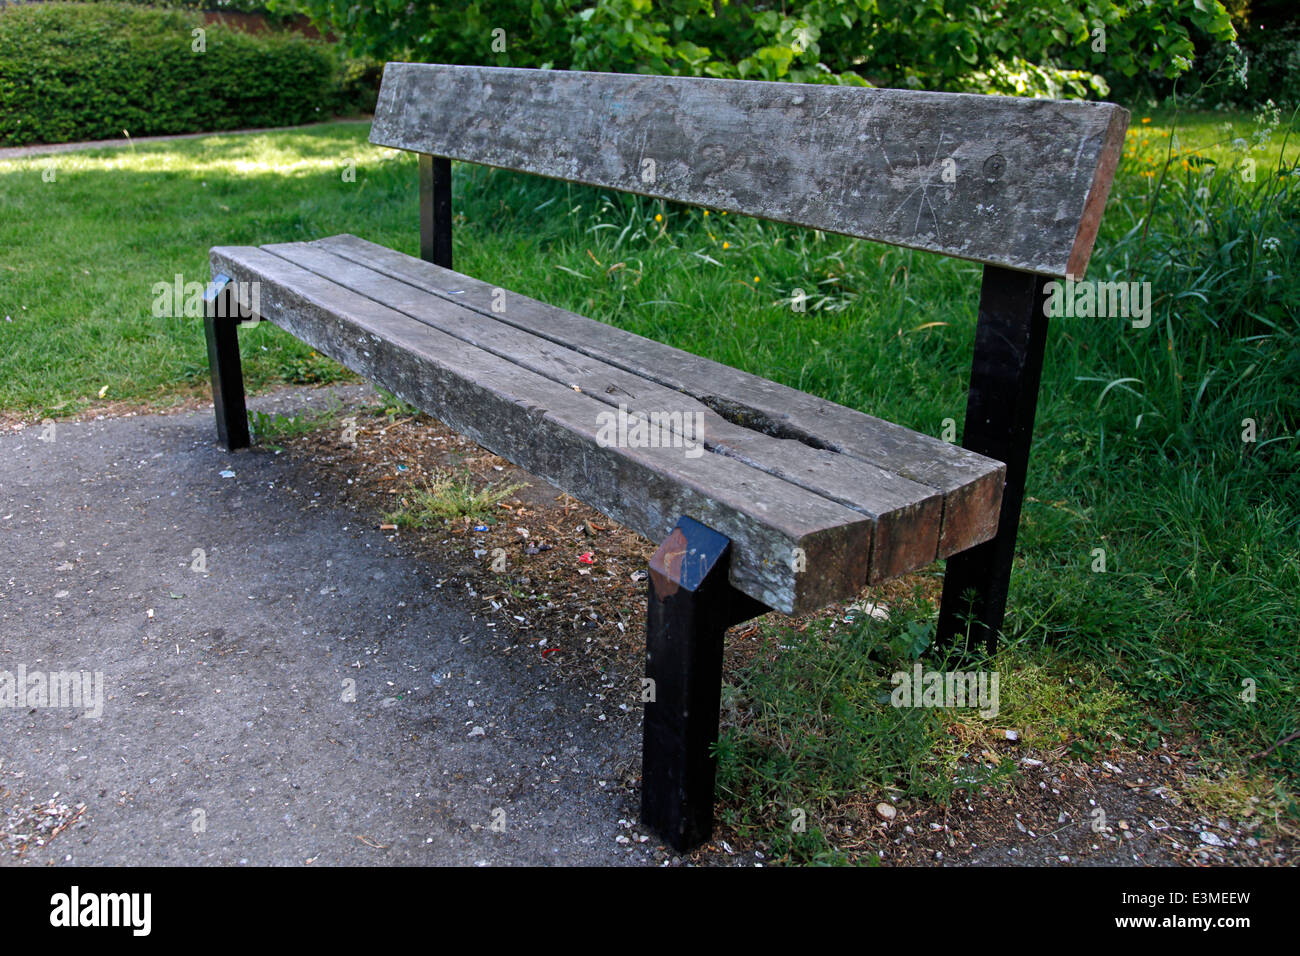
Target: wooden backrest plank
[1003, 180]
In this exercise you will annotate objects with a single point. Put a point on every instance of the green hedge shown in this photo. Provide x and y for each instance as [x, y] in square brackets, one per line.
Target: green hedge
[285, 12]
[79, 72]
[218, 6]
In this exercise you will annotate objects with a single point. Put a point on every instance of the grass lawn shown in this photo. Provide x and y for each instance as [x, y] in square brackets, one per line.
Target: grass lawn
[1139, 449]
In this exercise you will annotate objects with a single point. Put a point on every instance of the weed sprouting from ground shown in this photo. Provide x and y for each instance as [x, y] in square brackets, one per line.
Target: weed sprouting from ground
[449, 497]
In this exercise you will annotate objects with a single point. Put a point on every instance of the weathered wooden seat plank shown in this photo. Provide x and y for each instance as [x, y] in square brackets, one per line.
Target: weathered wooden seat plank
[907, 514]
[969, 485]
[552, 430]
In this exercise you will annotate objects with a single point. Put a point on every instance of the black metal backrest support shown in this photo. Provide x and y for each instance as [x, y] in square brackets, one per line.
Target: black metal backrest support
[1010, 336]
[435, 210]
[1000, 180]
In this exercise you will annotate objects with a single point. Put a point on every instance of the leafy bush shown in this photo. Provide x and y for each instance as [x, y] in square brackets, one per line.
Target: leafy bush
[220, 6]
[283, 14]
[1265, 64]
[357, 86]
[71, 71]
[1058, 48]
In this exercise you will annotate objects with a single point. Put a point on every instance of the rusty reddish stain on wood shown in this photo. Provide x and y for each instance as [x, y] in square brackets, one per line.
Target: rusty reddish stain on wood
[1108, 160]
[666, 564]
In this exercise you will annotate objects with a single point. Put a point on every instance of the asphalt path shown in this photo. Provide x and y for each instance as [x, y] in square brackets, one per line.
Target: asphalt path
[302, 695]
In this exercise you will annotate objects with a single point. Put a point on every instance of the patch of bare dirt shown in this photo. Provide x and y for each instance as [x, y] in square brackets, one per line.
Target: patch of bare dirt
[571, 582]
[1129, 809]
[174, 404]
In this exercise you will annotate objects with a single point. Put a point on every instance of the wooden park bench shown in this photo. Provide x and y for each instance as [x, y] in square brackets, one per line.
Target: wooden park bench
[793, 502]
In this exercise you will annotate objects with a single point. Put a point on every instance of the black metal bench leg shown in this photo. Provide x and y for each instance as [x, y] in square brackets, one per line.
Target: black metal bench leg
[1009, 341]
[220, 324]
[691, 605]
